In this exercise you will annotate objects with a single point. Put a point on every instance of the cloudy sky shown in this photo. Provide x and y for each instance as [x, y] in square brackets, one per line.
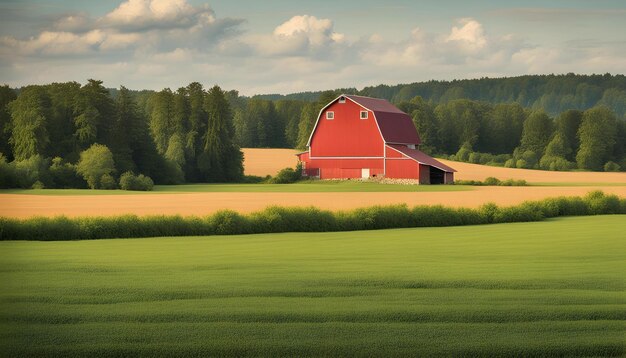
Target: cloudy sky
[298, 45]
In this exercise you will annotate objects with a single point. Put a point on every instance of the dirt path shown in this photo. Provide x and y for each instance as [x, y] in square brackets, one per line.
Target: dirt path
[21, 206]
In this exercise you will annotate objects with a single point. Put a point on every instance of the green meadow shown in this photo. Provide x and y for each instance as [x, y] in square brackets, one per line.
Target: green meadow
[300, 187]
[550, 288]
[314, 186]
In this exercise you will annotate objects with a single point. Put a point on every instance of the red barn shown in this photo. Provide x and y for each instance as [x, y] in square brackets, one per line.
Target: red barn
[363, 137]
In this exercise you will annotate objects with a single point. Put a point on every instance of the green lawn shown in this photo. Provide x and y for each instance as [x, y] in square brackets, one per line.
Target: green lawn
[304, 187]
[556, 287]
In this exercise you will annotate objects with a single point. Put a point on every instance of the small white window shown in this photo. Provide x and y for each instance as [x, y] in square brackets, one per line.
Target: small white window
[411, 146]
[330, 115]
[342, 99]
[363, 114]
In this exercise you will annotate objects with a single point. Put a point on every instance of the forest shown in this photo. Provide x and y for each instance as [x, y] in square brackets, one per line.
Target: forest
[69, 135]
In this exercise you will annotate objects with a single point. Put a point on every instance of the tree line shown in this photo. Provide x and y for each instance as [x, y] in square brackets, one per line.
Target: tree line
[194, 135]
[505, 134]
[508, 134]
[72, 135]
[552, 93]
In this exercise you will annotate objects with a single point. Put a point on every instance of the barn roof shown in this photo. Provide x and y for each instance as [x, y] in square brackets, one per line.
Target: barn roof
[421, 157]
[395, 126]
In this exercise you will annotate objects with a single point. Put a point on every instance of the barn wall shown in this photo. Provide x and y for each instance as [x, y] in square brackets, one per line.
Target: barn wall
[303, 157]
[346, 168]
[346, 134]
[424, 174]
[402, 169]
[392, 153]
[449, 178]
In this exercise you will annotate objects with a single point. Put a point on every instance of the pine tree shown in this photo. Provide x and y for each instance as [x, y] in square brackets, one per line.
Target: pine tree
[305, 126]
[6, 96]
[221, 160]
[161, 118]
[29, 114]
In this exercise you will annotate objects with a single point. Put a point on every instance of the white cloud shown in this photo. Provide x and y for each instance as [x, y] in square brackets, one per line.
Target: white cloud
[141, 15]
[135, 25]
[300, 35]
[157, 43]
[470, 35]
[318, 31]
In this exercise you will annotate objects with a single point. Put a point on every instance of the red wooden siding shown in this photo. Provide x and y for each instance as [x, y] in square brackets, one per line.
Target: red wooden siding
[304, 156]
[346, 168]
[402, 169]
[347, 134]
[390, 153]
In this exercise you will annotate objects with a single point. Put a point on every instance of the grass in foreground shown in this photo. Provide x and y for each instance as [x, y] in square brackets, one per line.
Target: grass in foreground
[547, 288]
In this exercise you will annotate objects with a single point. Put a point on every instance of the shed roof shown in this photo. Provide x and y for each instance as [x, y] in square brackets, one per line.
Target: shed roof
[421, 157]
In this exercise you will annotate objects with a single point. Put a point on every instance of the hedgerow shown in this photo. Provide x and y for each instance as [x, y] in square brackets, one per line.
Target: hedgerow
[491, 181]
[302, 219]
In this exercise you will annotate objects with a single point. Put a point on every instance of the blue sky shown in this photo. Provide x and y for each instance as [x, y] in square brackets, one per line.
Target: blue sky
[296, 45]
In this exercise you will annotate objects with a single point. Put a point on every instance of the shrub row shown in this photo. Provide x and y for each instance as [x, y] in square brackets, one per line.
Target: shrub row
[309, 219]
[491, 181]
[130, 181]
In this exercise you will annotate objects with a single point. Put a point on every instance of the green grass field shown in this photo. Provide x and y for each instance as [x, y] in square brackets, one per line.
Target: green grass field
[547, 288]
[302, 187]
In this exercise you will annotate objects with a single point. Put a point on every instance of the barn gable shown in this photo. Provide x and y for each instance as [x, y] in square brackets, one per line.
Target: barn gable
[394, 125]
[346, 134]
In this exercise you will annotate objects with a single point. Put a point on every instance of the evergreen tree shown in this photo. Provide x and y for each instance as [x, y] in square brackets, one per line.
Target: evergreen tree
[132, 146]
[567, 124]
[289, 111]
[161, 119]
[7, 95]
[176, 150]
[221, 160]
[503, 130]
[197, 122]
[305, 126]
[60, 124]
[95, 98]
[29, 118]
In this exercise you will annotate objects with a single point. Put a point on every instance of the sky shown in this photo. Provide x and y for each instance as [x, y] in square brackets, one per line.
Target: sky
[286, 46]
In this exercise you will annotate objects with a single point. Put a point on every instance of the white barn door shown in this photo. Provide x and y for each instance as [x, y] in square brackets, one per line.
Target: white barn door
[365, 173]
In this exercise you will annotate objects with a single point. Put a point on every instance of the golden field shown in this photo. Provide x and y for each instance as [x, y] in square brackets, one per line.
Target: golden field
[268, 161]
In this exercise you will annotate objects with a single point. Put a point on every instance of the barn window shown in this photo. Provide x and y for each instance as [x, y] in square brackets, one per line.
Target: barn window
[342, 99]
[363, 114]
[330, 115]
